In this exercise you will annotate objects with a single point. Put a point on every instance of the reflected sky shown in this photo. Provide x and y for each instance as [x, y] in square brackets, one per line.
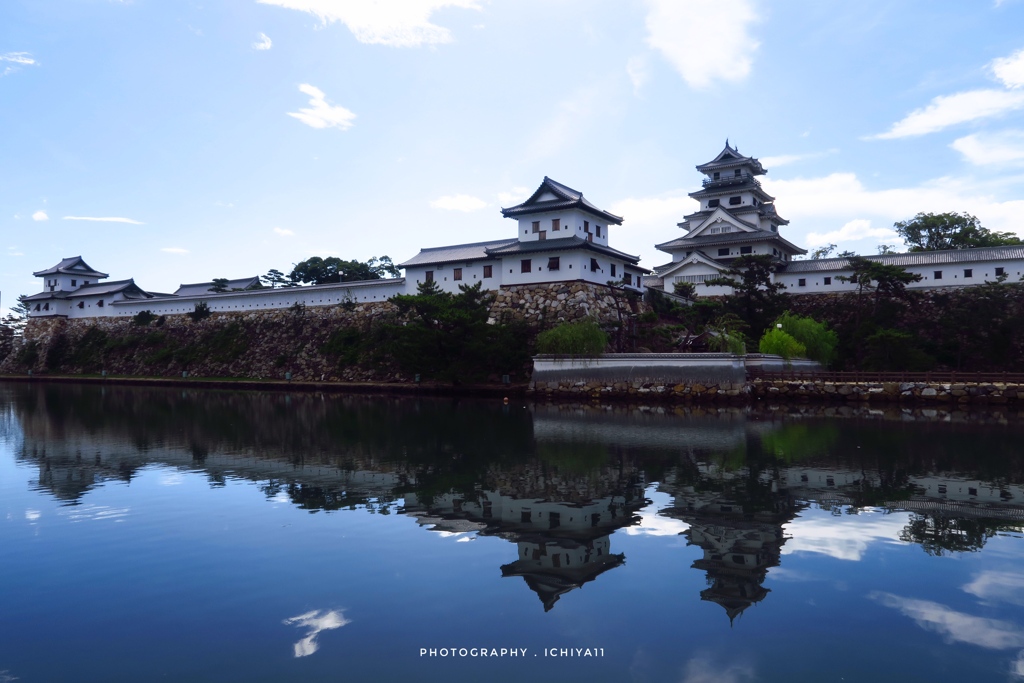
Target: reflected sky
[692, 545]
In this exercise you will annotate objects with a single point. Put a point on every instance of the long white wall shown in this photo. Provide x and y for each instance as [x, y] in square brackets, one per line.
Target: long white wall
[952, 275]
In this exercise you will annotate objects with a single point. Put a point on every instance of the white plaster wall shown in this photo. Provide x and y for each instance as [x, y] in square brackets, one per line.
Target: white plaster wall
[952, 276]
[266, 299]
[571, 225]
[91, 307]
[444, 275]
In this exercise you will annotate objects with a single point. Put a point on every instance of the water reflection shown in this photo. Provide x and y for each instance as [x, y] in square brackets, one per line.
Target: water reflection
[315, 622]
[559, 482]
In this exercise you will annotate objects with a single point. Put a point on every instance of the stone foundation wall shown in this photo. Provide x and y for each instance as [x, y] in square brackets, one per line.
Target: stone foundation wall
[973, 393]
[552, 303]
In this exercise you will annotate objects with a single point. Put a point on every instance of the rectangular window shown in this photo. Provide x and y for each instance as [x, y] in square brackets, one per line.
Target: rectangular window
[937, 275]
[716, 175]
[556, 223]
[746, 250]
[536, 227]
[456, 273]
[488, 271]
[1000, 271]
[429, 276]
[100, 303]
[737, 173]
[586, 226]
[735, 200]
[723, 252]
[74, 283]
[543, 235]
[828, 281]
[598, 228]
[712, 203]
[553, 263]
[593, 265]
[968, 272]
[627, 278]
[802, 282]
[613, 270]
[525, 266]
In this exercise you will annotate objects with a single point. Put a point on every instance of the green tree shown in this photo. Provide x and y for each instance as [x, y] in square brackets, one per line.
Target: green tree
[582, 338]
[687, 289]
[275, 278]
[199, 312]
[777, 342]
[818, 340]
[823, 252]
[756, 298]
[939, 231]
[321, 271]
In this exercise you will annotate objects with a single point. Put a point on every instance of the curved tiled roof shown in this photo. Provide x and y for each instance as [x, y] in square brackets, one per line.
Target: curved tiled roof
[561, 244]
[71, 266]
[696, 243]
[566, 198]
[730, 156]
[454, 253]
[913, 258]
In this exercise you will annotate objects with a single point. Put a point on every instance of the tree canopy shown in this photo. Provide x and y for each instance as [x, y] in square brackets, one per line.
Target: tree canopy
[321, 271]
[756, 300]
[940, 231]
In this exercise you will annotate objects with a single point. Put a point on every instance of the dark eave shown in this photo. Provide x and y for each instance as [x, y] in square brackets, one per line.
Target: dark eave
[914, 258]
[730, 157]
[456, 253]
[73, 265]
[698, 243]
[564, 244]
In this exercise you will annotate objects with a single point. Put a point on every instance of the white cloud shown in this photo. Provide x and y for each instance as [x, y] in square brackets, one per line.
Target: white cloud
[992, 586]
[32, 515]
[992, 149]
[264, 42]
[22, 58]
[639, 72]
[857, 229]
[704, 670]
[40, 216]
[842, 196]
[845, 538]
[786, 159]
[104, 219]
[458, 202]
[569, 122]
[320, 114]
[704, 40]
[284, 232]
[396, 23]
[174, 250]
[949, 110]
[517, 195]
[1010, 70]
[957, 627]
[315, 621]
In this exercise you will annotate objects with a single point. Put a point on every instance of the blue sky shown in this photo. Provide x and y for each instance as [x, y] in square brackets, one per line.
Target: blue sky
[178, 141]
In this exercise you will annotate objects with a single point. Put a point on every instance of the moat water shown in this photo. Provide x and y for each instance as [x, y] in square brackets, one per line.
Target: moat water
[153, 535]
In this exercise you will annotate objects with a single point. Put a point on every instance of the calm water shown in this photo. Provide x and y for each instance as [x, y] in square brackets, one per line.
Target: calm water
[204, 536]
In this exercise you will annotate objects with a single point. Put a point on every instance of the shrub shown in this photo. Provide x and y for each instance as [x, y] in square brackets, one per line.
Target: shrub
[583, 338]
[780, 343]
[817, 338]
[200, 312]
[143, 318]
[687, 289]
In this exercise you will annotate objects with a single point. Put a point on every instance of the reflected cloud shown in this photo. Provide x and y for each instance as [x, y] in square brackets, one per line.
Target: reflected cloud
[845, 537]
[998, 587]
[316, 621]
[1017, 665]
[654, 524]
[956, 627]
[171, 479]
[32, 515]
[86, 513]
[704, 670]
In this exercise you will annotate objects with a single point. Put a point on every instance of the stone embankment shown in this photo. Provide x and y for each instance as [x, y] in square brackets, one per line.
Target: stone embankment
[560, 302]
[950, 394]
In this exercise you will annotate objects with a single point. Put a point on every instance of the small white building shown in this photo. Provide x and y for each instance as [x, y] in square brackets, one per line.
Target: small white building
[561, 237]
[73, 290]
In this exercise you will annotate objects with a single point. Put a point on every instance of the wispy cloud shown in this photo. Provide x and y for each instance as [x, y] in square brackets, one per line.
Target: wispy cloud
[516, 195]
[104, 219]
[571, 119]
[857, 229]
[950, 110]
[704, 41]
[995, 149]
[993, 586]
[945, 111]
[1010, 70]
[174, 250]
[639, 72]
[23, 58]
[284, 232]
[320, 114]
[458, 202]
[264, 42]
[40, 216]
[786, 159]
[315, 622]
[956, 627]
[844, 538]
[396, 23]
